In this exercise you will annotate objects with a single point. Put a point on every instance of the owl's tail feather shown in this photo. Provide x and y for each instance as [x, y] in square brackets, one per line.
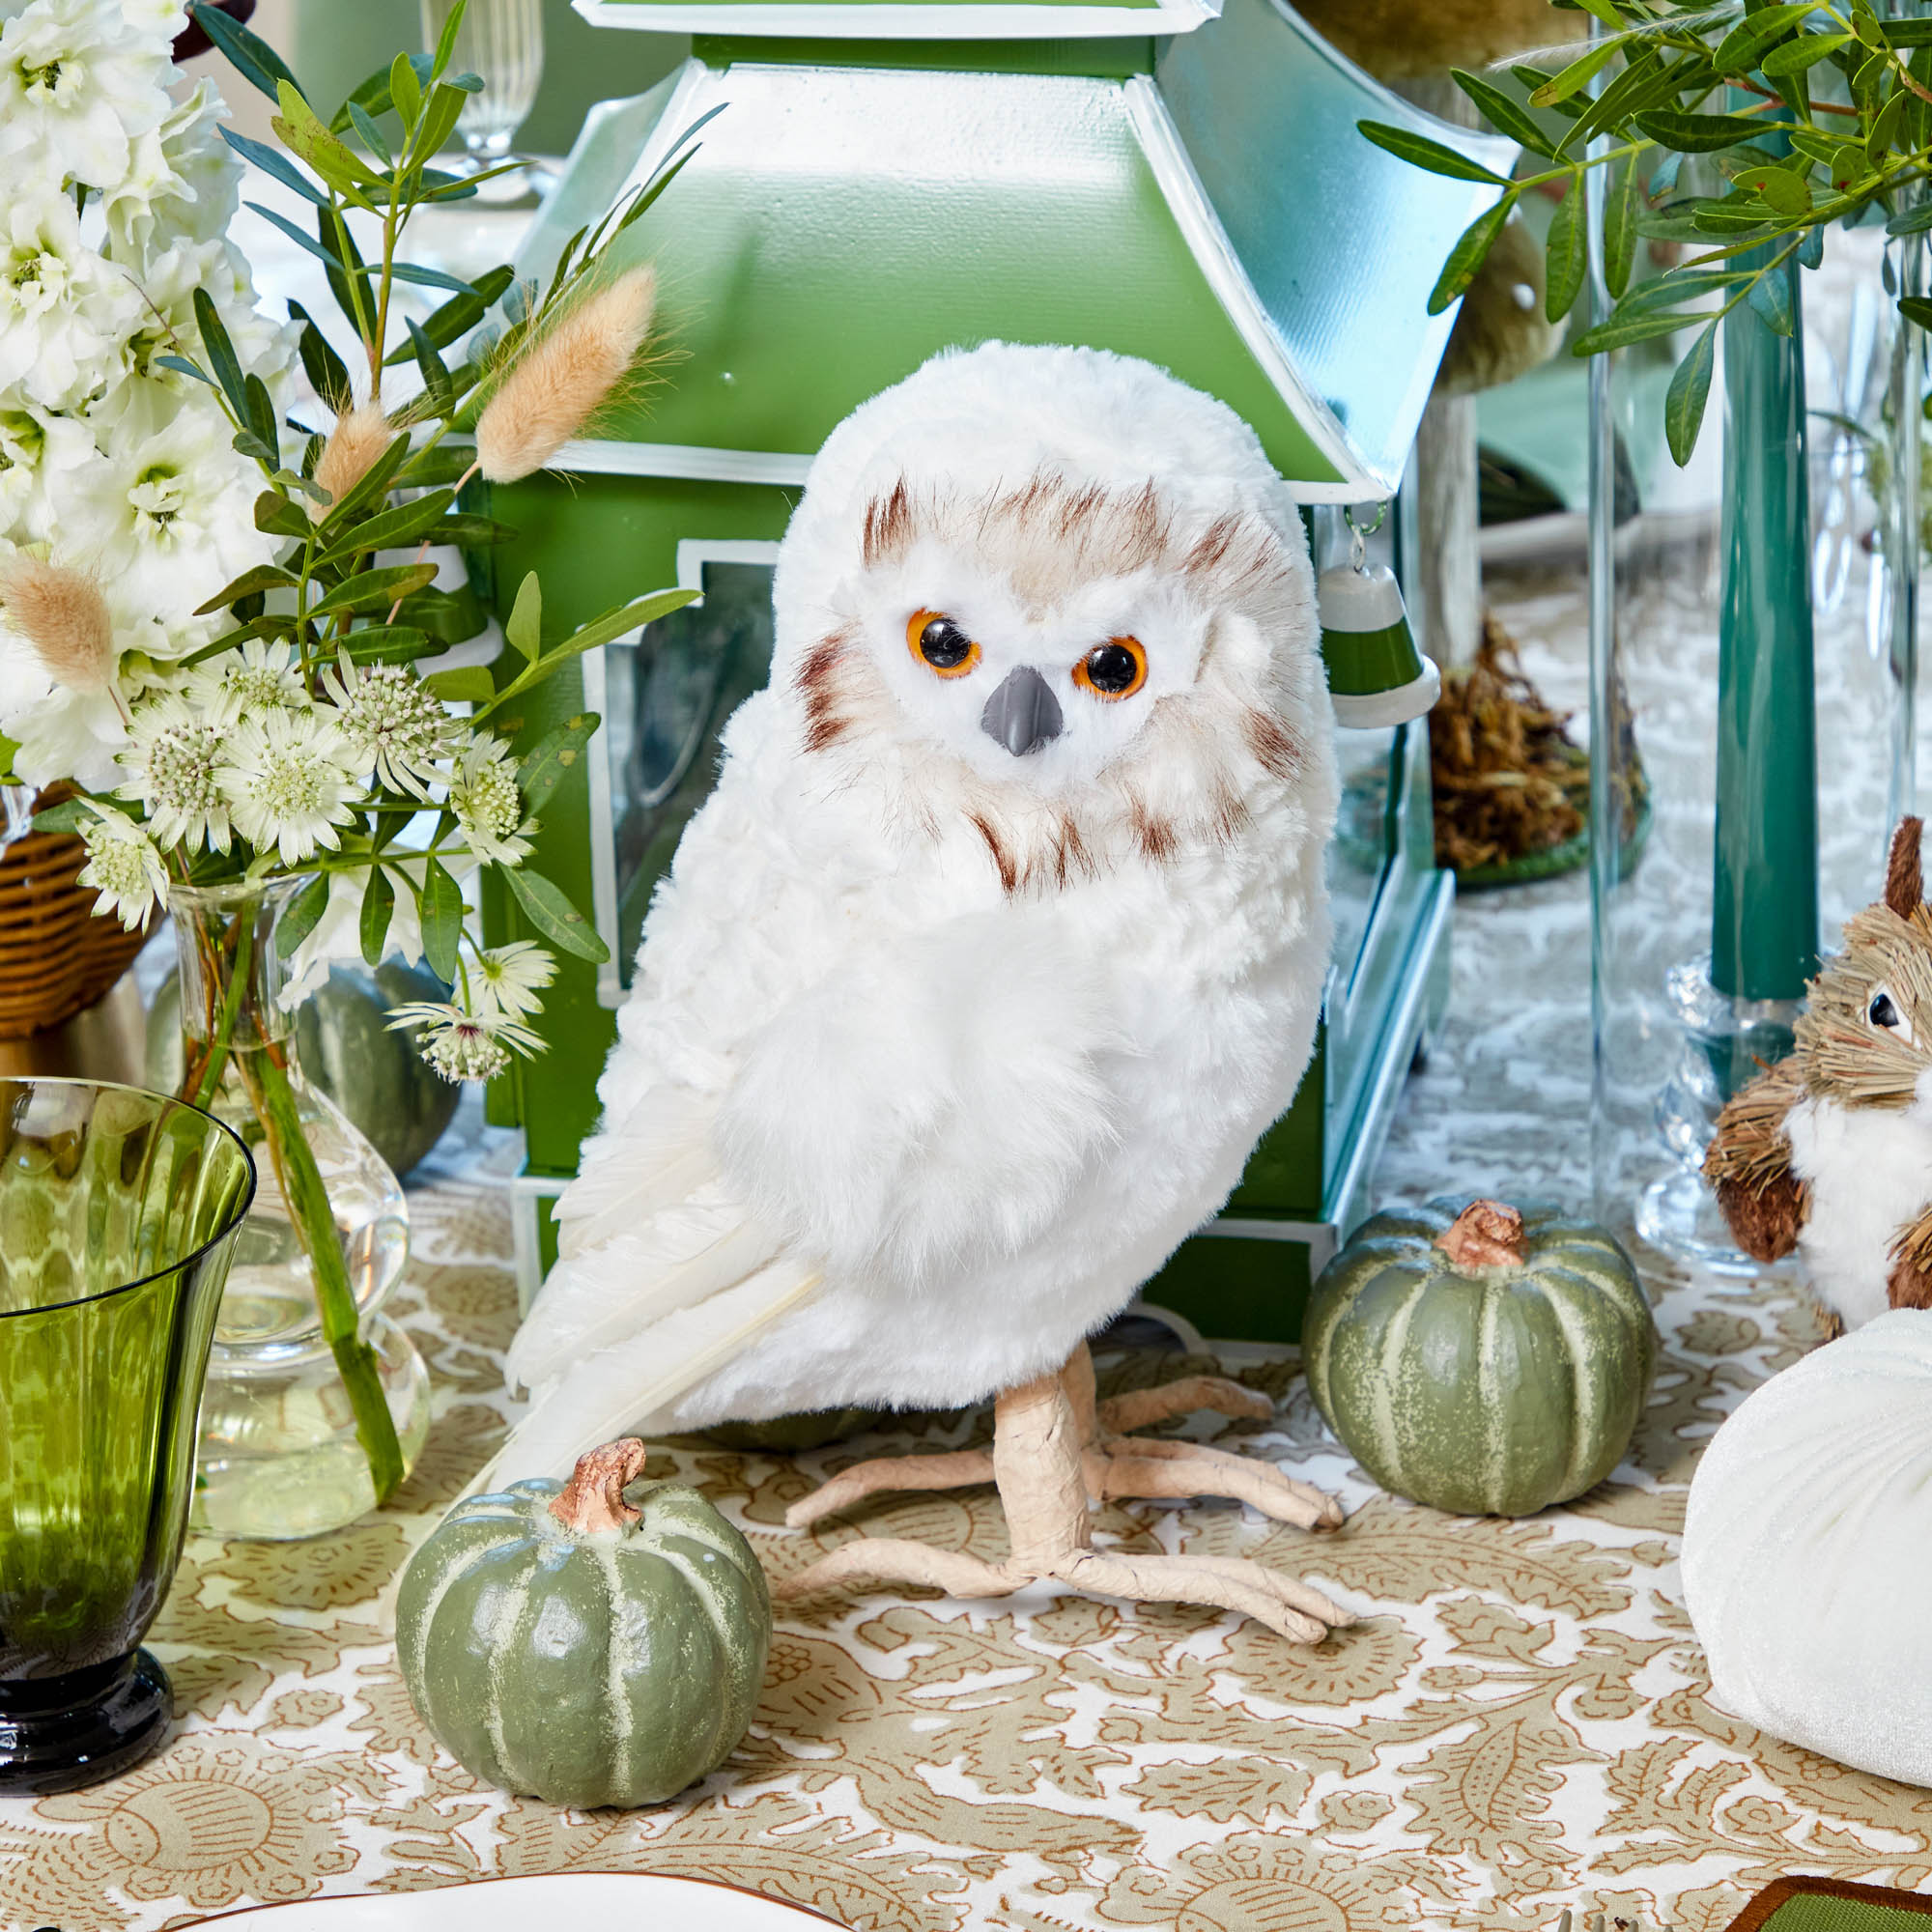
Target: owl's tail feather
[596, 1298]
[612, 1200]
[657, 1154]
[625, 1388]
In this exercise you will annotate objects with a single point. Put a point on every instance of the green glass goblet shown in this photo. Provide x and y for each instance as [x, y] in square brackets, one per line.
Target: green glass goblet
[118, 1216]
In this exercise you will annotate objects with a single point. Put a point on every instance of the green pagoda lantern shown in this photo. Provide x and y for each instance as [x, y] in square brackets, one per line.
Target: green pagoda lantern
[880, 179]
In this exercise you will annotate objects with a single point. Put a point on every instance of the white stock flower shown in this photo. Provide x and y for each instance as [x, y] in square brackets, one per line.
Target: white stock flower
[258, 677]
[183, 181]
[122, 866]
[460, 1046]
[79, 82]
[505, 981]
[39, 452]
[398, 727]
[169, 515]
[289, 778]
[170, 766]
[483, 795]
[64, 312]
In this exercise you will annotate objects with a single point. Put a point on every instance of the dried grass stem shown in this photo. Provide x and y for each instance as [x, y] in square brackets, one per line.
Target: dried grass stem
[562, 378]
[63, 616]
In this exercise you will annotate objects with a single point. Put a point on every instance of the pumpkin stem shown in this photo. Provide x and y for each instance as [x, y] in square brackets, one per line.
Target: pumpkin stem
[1487, 1234]
[593, 1502]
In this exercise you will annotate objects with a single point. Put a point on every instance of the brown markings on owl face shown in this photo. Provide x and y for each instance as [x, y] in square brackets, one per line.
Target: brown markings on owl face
[1003, 860]
[889, 526]
[1268, 739]
[1038, 857]
[1050, 533]
[1155, 835]
[820, 685]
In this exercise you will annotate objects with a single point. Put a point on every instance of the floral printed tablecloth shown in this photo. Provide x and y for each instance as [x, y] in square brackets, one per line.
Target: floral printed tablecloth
[1520, 1721]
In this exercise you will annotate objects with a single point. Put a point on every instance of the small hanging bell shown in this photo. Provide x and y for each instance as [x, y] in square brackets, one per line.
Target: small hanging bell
[1376, 674]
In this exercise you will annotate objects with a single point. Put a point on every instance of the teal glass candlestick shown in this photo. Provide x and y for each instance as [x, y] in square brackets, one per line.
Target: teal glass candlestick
[1764, 897]
[118, 1216]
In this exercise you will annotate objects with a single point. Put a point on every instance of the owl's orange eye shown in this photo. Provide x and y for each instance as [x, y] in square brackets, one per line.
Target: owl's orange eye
[940, 645]
[1112, 671]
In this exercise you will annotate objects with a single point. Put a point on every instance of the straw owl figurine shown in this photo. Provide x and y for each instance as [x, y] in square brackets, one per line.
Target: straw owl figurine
[1830, 1151]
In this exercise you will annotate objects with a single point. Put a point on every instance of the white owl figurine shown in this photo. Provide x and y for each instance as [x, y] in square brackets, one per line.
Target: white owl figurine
[973, 984]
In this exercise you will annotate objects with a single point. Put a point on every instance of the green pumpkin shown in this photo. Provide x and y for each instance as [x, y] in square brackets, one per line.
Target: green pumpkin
[377, 1077]
[560, 1641]
[1482, 1359]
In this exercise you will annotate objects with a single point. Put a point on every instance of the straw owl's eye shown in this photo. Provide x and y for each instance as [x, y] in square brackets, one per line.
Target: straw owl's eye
[1880, 1010]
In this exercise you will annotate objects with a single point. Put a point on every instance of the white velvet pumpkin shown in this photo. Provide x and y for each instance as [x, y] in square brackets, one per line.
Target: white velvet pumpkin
[1808, 1552]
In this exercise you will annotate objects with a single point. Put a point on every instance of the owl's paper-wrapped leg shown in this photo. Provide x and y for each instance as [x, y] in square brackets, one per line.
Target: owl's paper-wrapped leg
[1121, 1467]
[1041, 1442]
[1749, 1165]
[1117, 1468]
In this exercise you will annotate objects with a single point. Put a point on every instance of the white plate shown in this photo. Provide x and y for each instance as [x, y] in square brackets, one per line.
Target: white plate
[584, 1901]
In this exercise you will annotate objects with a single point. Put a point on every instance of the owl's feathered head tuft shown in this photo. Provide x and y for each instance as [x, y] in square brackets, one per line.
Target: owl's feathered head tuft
[1057, 596]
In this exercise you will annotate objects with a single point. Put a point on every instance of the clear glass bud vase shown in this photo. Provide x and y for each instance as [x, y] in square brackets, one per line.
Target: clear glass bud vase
[1753, 701]
[304, 1364]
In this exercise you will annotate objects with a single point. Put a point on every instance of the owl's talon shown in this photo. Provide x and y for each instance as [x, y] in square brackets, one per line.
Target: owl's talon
[892, 1559]
[1301, 1614]
[959, 1469]
[1160, 1468]
[1047, 1454]
[1138, 1407]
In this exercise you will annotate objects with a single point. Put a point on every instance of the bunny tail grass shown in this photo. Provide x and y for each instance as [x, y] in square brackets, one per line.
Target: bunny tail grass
[620, 1388]
[63, 616]
[359, 436]
[559, 381]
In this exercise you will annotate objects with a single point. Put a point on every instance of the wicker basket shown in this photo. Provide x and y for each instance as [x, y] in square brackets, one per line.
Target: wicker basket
[55, 956]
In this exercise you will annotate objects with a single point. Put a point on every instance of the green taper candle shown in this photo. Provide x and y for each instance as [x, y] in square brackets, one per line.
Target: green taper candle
[1764, 900]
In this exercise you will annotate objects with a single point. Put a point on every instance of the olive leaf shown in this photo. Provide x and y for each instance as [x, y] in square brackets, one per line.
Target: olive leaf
[1689, 389]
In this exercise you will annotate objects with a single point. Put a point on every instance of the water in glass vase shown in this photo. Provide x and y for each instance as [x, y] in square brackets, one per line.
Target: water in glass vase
[284, 1451]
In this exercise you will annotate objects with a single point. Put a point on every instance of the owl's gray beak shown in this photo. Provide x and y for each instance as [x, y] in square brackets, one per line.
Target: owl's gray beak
[1023, 714]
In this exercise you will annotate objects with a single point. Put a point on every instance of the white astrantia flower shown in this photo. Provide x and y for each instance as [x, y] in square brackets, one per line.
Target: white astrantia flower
[504, 981]
[398, 726]
[122, 866]
[290, 779]
[79, 82]
[483, 795]
[460, 1046]
[170, 766]
[64, 312]
[257, 678]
